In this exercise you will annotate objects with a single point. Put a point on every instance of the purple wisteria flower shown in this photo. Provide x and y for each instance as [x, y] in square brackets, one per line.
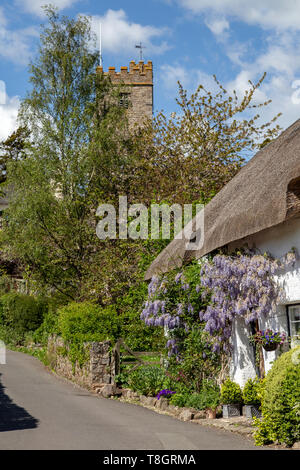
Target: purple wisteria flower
[164, 392]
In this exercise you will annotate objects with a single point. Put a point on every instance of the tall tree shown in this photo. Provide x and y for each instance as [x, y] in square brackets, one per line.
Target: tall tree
[12, 149]
[79, 146]
[193, 153]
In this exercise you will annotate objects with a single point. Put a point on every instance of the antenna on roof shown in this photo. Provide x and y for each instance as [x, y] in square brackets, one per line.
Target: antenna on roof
[140, 47]
[100, 44]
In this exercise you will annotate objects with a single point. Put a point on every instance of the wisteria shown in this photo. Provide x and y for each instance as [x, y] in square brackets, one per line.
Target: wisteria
[239, 286]
[169, 305]
[227, 287]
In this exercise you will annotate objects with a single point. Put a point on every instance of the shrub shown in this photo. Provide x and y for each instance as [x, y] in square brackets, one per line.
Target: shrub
[10, 336]
[211, 395]
[251, 392]
[79, 323]
[22, 312]
[208, 397]
[137, 335]
[179, 399]
[147, 380]
[196, 400]
[280, 402]
[231, 393]
[85, 321]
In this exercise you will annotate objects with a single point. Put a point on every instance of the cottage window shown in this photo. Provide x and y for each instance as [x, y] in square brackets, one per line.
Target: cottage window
[293, 197]
[294, 320]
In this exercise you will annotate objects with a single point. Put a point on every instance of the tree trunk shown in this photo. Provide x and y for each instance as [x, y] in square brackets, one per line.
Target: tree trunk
[261, 356]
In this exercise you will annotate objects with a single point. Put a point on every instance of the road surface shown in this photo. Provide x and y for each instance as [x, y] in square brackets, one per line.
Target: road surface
[41, 411]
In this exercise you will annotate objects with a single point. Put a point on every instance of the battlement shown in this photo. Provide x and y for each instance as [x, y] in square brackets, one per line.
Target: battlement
[138, 74]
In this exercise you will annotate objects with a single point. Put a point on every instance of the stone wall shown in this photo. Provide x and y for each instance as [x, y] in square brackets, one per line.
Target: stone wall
[98, 371]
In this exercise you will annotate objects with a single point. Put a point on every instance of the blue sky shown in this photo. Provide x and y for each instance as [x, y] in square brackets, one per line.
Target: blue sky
[187, 40]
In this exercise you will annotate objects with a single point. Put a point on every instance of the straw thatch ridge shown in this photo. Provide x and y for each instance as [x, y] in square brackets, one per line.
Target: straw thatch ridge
[264, 193]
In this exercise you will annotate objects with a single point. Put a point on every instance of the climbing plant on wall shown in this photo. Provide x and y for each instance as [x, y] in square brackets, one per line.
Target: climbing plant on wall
[224, 287]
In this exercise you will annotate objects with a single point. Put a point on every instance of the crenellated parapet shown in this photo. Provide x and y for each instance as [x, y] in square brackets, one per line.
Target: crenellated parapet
[138, 74]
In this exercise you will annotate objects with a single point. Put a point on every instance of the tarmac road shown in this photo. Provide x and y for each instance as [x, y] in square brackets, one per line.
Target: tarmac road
[38, 410]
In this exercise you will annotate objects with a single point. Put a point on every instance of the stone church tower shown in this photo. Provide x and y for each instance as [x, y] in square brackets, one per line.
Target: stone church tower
[138, 95]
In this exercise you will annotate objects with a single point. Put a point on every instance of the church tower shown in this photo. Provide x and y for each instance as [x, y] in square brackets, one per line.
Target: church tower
[137, 95]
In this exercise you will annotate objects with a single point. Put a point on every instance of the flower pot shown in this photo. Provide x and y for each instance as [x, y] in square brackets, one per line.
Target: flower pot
[211, 414]
[231, 410]
[251, 411]
[270, 346]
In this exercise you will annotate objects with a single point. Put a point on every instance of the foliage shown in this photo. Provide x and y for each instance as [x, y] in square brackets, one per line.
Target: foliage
[22, 312]
[80, 323]
[198, 360]
[280, 402]
[77, 130]
[147, 380]
[203, 146]
[179, 399]
[211, 393]
[10, 336]
[49, 326]
[231, 393]
[83, 322]
[207, 398]
[173, 303]
[251, 392]
[137, 335]
[13, 149]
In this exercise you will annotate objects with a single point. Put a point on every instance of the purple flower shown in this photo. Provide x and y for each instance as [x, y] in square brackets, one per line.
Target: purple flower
[165, 393]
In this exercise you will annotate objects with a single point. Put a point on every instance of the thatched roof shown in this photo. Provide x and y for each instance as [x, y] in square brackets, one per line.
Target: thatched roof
[264, 193]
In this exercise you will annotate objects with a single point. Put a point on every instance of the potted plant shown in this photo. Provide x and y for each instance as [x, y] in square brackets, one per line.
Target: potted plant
[268, 339]
[231, 399]
[251, 399]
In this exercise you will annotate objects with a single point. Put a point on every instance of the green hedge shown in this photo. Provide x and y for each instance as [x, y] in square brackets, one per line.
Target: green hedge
[22, 313]
[281, 402]
[85, 321]
[79, 323]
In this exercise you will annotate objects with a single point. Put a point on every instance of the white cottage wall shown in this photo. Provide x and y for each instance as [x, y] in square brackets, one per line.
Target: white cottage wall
[277, 241]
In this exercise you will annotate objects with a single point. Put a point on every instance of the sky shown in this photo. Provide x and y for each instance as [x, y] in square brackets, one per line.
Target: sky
[187, 40]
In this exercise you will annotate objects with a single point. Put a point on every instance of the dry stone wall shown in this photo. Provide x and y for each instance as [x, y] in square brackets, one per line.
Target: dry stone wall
[96, 373]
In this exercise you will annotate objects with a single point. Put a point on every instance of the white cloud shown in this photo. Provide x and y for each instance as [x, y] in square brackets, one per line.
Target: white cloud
[2, 92]
[267, 13]
[217, 25]
[190, 79]
[277, 54]
[15, 45]
[8, 116]
[35, 6]
[120, 35]
[281, 61]
[171, 74]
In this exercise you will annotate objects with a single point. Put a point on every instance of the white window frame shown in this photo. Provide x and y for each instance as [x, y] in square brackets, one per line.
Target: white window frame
[293, 333]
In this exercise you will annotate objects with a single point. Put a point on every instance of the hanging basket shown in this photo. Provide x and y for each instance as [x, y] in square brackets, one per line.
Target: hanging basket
[270, 346]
